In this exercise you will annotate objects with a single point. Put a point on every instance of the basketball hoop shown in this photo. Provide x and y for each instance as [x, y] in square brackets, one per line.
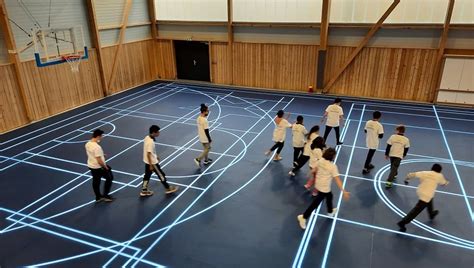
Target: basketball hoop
[74, 61]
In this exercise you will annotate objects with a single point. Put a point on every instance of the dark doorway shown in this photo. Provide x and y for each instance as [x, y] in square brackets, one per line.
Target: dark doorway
[192, 60]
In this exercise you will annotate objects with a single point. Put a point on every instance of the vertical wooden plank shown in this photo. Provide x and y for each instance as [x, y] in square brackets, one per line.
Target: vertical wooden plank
[441, 48]
[152, 15]
[92, 16]
[128, 6]
[14, 58]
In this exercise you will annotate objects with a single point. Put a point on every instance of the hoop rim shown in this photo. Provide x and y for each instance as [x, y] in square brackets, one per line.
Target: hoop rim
[71, 57]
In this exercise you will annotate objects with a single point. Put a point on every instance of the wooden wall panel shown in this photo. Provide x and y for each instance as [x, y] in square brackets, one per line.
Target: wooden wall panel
[388, 73]
[288, 67]
[221, 71]
[54, 89]
[11, 113]
[139, 62]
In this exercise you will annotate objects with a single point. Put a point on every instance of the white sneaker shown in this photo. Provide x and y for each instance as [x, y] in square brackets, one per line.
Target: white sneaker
[333, 212]
[197, 162]
[302, 221]
[291, 173]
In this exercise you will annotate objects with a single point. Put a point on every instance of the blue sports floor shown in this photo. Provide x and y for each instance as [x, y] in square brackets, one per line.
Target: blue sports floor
[241, 210]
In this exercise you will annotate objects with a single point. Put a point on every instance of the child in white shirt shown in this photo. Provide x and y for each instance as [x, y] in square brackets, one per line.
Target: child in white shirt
[397, 149]
[299, 139]
[303, 159]
[374, 132]
[326, 171]
[279, 134]
[334, 115]
[317, 148]
[429, 181]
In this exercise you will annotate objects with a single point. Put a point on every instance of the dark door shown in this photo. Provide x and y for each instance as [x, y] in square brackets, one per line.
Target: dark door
[192, 60]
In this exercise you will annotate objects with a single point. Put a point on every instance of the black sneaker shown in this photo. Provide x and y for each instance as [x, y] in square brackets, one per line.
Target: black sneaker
[208, 161]
[370, 166]
[339, 143]
[433, 215]
[402, 227]
[365, 171]
[98, 199]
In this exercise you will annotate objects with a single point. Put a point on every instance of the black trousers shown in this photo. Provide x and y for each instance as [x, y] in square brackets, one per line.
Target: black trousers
[278, 145]
[297, 152]
[328, 129]
[417, 209]
[370, 155]
[316, 201]
[394, 164]
[158, 171]
[302, 160]
[98, 174]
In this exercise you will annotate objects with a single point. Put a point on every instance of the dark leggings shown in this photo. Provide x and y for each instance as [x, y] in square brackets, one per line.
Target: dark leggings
[98, 174]
[328, 129]
[297, 153]
[368, 160]
[417, 209]
[278, 145]
[158, 171]
[302, 160]
[316, 201]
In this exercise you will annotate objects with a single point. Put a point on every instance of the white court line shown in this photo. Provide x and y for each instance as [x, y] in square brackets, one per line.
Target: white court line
[86, 180]
[82, 118]
[200, 195]
[454, 165]
[412, 154]
[181, 194]
[102, 119]
[71, 189]
[409, 186]
[422, 115]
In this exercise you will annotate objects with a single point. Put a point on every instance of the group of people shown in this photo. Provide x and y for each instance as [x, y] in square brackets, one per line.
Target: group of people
[308, 147]
[99, 169]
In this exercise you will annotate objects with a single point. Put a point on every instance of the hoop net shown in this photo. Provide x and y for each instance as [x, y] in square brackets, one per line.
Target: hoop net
[74, 61]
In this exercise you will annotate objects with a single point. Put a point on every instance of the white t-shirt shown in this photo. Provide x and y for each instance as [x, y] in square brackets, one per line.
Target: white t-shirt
[279, 134]
[202, 124]
[327, 170]
[307, 146]
[373, 128]
[399, 143]
[334, 112]
[93, 151]
[429, 181]
[299, 132]
[149, 147]
[315, 156]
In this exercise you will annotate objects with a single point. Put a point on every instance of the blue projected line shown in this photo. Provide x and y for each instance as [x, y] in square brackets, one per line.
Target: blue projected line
[64, 228]
[159, 214]
[108, 249]
[51, 147]
[398, 232]
[378, 189]
[219, 114]
[198, 198]
[69, 190]
[454, 165]
[82, 118]
[331, 233]
[101, 250]
[297, 262]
